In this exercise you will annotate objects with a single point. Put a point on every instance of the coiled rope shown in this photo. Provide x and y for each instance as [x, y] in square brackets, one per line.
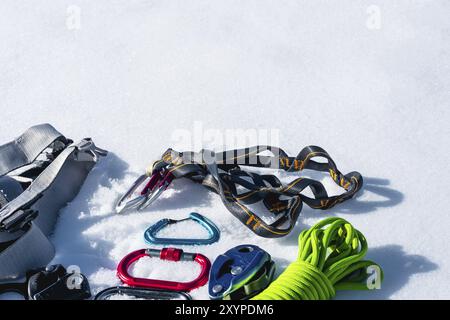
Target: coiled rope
[330, 259]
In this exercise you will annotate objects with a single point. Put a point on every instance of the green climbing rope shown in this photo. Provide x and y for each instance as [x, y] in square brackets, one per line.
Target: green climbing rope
[330, 259]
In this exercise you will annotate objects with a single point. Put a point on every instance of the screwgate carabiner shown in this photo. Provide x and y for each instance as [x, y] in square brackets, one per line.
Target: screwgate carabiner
[214, 233]
[157, 183]
[169, 254]
[141, 293]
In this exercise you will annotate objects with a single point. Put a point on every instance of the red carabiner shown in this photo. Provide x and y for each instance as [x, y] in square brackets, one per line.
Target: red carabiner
[170, 254]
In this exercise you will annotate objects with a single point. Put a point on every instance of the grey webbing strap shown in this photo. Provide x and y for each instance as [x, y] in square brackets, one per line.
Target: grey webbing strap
[31, 250]
[26, 148]
[3, 200]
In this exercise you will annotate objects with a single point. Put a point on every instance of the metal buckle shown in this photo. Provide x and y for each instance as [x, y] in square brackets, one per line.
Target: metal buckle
[214, 232]
[141, 293]
[240, 273]
[157, 183]
[170, 254]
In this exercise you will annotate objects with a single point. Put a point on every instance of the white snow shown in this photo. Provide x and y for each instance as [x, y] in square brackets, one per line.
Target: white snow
[376, 97]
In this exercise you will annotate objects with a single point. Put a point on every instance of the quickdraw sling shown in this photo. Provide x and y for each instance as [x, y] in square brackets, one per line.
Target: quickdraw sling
[223, 173]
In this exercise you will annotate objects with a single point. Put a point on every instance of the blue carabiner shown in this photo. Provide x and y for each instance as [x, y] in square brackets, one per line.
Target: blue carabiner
[214, 233]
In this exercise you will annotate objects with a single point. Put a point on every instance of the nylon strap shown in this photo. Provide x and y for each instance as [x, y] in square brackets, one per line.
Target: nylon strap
[222, 173]
[31, 250]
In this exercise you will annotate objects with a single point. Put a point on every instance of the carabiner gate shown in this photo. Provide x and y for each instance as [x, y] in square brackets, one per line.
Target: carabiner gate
[154, 191]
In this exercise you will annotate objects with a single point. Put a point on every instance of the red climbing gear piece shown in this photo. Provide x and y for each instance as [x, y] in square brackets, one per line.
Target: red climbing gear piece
[169, 254]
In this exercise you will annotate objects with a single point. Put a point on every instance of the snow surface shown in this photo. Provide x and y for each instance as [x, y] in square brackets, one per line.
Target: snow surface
[377, 99]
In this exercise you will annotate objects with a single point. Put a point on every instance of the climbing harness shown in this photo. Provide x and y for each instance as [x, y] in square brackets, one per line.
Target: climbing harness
[40, 172]
[51, 283]
[240, 273]
[169, 254]
[155, 184]
[329, 259]
[141, 293]
[222, 173]
[214, 233]
[10, 189]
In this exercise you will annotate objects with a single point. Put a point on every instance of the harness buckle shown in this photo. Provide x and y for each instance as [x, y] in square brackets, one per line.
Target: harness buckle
[169, 254]
[88, 151]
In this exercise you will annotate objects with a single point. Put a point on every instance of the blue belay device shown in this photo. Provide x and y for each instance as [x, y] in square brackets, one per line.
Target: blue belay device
[214, 233]
[240, 273]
